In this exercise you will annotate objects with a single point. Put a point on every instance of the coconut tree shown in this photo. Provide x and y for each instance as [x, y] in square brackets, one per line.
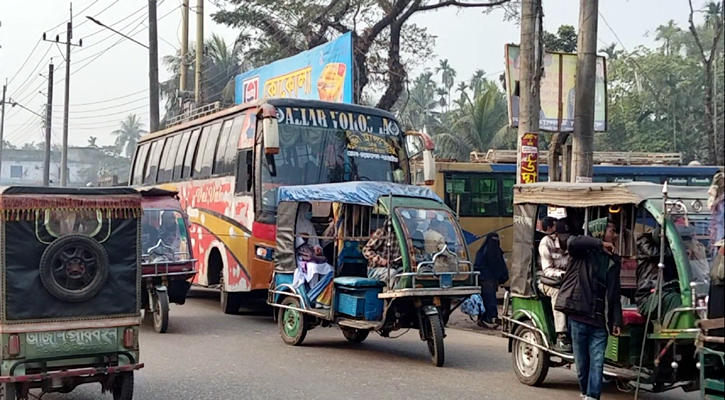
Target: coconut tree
[128, 134]
[422, 103]
[448, 77]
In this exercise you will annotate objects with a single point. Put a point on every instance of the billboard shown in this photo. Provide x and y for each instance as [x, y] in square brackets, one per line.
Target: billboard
[557, 91]
[322, 73]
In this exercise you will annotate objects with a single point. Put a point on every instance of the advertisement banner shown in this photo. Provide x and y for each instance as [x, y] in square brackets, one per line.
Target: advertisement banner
[323, 73]
[557, 91]
[529, 158]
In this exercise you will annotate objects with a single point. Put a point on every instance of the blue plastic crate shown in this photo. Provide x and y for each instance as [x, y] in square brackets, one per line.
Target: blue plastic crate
[351, 304]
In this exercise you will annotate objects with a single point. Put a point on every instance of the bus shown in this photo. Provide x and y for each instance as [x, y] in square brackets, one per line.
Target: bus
[481, 193]
[227, 166]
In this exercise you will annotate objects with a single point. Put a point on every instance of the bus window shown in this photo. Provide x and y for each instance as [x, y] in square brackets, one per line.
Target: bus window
[152, 165]
[164, 159]
[233, 142]
[179, 162]
[138, 169]
[219, 165]
[166, 169]
[207, 158]
[190, 151]
[507, 195]
[201, 148]
[485, 197]
[244, 171]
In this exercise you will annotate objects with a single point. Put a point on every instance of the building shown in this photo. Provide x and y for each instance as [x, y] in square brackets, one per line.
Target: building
[25, 166]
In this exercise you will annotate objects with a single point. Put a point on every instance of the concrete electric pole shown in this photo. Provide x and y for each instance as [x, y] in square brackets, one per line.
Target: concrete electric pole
[153, 69]
[530, 54]
[48, 122]
[199, 51]
[184, 45]
[586, 70]
[2, 125]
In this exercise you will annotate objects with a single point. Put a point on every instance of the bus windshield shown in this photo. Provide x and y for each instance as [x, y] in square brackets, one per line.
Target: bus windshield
[332, 152]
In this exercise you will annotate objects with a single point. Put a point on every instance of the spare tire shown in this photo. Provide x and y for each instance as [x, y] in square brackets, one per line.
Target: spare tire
[74, 268]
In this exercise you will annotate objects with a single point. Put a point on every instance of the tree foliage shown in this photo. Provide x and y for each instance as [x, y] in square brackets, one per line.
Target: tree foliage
[128, 135]
[564, 40]
[385, 44]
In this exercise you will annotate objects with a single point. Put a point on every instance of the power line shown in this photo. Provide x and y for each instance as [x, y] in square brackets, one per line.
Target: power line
[109, 114]
[25, 62]
[107, 108]
[110, 100]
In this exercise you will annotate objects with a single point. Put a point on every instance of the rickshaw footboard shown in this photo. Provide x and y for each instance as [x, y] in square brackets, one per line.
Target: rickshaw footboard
[91, 371]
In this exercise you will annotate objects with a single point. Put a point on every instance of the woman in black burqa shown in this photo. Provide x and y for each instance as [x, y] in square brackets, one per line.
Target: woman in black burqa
[493, 272]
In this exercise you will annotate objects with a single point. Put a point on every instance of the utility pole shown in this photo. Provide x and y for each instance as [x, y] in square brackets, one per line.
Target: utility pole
[529, 83]
[199, 50]
[184, 45]
[153, 68]
[586, 70]
[2, 125]
[48, 122]
[66, 105]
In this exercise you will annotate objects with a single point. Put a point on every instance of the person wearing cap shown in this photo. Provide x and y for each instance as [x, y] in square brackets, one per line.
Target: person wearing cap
[648, 258]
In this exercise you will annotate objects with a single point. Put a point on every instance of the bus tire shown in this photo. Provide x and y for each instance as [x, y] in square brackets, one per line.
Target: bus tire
[530, 363]
[230, 302]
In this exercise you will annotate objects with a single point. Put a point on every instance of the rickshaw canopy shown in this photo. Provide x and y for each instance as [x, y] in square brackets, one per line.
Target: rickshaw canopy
[160, 199]
[361, 193]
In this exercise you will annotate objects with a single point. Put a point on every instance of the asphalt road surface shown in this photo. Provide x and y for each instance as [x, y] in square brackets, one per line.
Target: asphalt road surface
[211, 356]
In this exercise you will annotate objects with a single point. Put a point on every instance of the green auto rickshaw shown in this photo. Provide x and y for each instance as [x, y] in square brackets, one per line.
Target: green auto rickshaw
[419, 241]
[654, 352]
[70, 278]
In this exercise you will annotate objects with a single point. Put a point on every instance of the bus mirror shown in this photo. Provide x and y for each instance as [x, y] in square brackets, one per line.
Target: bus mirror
[270, 131]
[429, 167]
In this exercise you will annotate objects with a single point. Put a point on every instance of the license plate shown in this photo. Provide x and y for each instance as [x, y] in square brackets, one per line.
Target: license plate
[71, 342]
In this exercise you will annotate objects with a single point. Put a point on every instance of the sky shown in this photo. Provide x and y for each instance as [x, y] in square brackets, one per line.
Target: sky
[109, 75]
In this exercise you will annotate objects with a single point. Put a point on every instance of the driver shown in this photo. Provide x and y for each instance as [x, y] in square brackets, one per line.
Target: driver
[381, 252]
[169, 230]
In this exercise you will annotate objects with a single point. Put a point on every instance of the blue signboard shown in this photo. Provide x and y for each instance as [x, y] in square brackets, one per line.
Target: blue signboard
[323, 73]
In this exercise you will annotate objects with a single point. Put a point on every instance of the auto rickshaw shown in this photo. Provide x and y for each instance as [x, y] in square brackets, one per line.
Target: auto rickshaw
[71, 289]
[425, 271]
[167, 262]
[654, 352]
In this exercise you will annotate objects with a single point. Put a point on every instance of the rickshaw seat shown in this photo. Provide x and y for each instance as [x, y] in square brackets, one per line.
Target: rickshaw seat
[630, 316]
[358, 282]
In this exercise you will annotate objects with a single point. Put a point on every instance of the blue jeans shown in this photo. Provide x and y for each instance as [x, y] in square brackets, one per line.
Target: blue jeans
[589, 343]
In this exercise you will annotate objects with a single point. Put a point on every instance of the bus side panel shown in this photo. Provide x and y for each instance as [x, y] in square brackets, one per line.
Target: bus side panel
[480, 226]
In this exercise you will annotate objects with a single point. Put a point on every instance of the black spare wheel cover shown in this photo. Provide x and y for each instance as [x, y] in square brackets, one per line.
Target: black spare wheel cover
[74, 268]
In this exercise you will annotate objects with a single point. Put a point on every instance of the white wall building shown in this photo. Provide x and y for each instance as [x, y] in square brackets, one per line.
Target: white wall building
[25, 167]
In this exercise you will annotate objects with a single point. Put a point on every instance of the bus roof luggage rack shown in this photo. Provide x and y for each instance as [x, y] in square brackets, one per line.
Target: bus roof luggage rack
[600, 157]
[195, 113]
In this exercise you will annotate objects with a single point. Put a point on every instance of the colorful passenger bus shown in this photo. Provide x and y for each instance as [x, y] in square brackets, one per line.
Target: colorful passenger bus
[481, 193]
[228, 165]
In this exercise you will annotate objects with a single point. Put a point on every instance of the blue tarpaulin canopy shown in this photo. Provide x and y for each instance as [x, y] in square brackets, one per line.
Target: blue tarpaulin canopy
[362, 193]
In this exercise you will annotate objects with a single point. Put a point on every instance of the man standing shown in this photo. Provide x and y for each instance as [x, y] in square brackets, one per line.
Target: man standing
[554, 261]
[590, 298]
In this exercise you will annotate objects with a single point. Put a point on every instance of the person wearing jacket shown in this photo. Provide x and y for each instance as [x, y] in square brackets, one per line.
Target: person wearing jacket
[493, 272]
[590, 298]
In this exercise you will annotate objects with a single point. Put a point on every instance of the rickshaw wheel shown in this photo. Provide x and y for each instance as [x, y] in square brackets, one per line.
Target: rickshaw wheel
[74, 268]
[435, 340]
[123, 386]
[355, 335]
[292, 323]
[531, 364]
[161, 312]
[7, 391]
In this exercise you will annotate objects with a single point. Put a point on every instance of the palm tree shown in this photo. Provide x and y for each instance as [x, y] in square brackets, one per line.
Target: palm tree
[221, 64]
[448, 77]
[610, 51]
[128, 135]
[421, 105]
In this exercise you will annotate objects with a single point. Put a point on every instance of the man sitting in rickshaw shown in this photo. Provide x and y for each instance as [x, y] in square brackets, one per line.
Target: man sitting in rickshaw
[648, 258]
[554, 260]
[381, 251]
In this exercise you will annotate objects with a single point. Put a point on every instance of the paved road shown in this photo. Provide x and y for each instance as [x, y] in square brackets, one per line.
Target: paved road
[211, 356]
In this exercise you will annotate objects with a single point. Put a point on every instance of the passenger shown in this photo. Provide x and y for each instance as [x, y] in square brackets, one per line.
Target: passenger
[149, 233]
[554, 260]
[304, 227]
[435, 241]
[648, 258]
[491, 265]
[381, 252]
[596, 310]
[169, 230]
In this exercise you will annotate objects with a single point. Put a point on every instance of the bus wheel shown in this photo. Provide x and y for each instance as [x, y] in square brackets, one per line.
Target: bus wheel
[531, 364]
[231, 302]
[292, 323]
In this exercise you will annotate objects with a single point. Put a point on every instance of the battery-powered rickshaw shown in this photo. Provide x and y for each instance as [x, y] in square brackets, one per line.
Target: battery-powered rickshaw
[322, 279]
[168, 265]
[654, 352]
[71, 289]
